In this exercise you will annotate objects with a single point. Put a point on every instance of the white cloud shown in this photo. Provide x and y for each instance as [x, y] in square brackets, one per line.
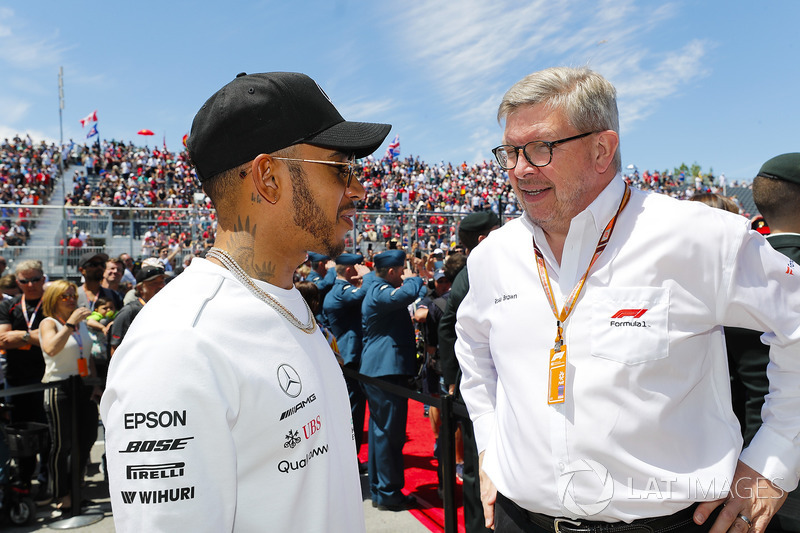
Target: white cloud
[473, 50]
[14, 109]
[365, 110]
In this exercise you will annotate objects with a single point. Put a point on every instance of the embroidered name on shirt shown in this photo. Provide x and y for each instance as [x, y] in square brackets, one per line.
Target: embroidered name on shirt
[505, 297]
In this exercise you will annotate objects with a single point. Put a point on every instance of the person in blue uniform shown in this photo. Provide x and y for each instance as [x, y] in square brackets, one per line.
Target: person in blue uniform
[323, 278]
[389, 353]
[342, 310]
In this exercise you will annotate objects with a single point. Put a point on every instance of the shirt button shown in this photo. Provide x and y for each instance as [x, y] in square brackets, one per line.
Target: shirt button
[561, 466]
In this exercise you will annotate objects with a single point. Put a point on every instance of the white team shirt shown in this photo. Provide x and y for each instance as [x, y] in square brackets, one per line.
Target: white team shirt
[222, 416]
[648, 393]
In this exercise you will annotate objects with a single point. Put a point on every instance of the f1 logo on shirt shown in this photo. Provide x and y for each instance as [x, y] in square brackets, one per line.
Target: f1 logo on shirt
[632, 313]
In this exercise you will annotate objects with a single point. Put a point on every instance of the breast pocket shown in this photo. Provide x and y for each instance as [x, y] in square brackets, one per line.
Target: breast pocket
[630, 325]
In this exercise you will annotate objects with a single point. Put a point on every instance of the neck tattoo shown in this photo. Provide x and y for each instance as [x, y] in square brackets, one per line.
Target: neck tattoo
[238, 272]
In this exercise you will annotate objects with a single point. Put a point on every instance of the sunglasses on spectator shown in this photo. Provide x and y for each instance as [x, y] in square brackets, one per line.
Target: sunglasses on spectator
[69, 296]
[31, 281]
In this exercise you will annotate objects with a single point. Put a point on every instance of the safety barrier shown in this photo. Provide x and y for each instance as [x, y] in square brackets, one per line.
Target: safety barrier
[73, 383]
[448, 410]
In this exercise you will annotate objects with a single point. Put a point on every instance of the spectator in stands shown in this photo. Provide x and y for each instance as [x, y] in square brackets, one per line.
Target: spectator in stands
[9, 287]
[19, 338]
[66, 348]
[128, 276]
[112, 277]
[149, 281]
[3, 265]
[92, 267]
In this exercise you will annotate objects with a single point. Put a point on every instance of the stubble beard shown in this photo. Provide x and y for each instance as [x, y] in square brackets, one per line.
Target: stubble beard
[308, 215]
[559, 218]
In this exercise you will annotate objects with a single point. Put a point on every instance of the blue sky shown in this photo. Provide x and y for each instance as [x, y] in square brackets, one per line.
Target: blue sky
[713, 82]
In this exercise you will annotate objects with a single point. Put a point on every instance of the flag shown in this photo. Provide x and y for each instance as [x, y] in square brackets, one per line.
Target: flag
[393, 150]
[165, 142]
[92, 132]
[89, 119]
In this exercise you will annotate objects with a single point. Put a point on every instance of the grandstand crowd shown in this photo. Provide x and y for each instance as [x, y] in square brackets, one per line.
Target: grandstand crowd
[116, 174]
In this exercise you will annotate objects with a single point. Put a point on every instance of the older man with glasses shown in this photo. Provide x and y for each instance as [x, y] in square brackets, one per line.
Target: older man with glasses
[591, 341]
[19, 338]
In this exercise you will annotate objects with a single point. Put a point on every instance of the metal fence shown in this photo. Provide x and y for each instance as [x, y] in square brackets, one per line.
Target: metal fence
[114, 230]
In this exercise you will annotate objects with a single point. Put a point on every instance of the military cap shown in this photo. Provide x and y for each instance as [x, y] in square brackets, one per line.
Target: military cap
[315, 257]
[784, 167]
[390, 258]
[349, 259]
[480, 221]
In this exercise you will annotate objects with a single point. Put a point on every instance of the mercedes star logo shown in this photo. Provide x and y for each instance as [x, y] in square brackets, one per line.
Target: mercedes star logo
[289, 380]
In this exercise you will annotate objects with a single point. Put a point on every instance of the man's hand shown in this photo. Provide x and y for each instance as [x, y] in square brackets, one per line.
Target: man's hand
[488, 494]
[12, 339]
[752, 496]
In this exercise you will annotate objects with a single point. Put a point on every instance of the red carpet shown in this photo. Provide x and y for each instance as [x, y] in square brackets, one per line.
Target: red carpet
[421, 480]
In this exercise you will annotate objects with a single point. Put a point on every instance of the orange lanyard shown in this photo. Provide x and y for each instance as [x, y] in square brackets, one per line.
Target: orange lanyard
[557, 376]
[29, 321]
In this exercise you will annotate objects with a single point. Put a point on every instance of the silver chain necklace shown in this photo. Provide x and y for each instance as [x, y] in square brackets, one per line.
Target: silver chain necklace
[228, 262]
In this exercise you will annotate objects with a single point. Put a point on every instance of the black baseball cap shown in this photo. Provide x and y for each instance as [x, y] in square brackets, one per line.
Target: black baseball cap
[262, 113]
[148, 272]
[88, 256]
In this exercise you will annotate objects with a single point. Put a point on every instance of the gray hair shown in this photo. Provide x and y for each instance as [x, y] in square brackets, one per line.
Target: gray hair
[28, 264]
[588, 100]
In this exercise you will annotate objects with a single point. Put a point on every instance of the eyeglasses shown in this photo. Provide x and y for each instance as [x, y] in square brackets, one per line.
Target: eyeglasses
[69, 296]
[346, 174]
[29, 281]
[538, 153]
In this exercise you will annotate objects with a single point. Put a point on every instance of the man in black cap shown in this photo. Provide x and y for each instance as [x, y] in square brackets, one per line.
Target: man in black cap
[389, 353]
[776, 193]
[252, 404]
[342, 310]
[471, 231]
[92, 266]
[149, 281]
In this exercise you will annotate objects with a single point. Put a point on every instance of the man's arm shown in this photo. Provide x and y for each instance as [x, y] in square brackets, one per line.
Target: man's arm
[147, 377]
[764, 293]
